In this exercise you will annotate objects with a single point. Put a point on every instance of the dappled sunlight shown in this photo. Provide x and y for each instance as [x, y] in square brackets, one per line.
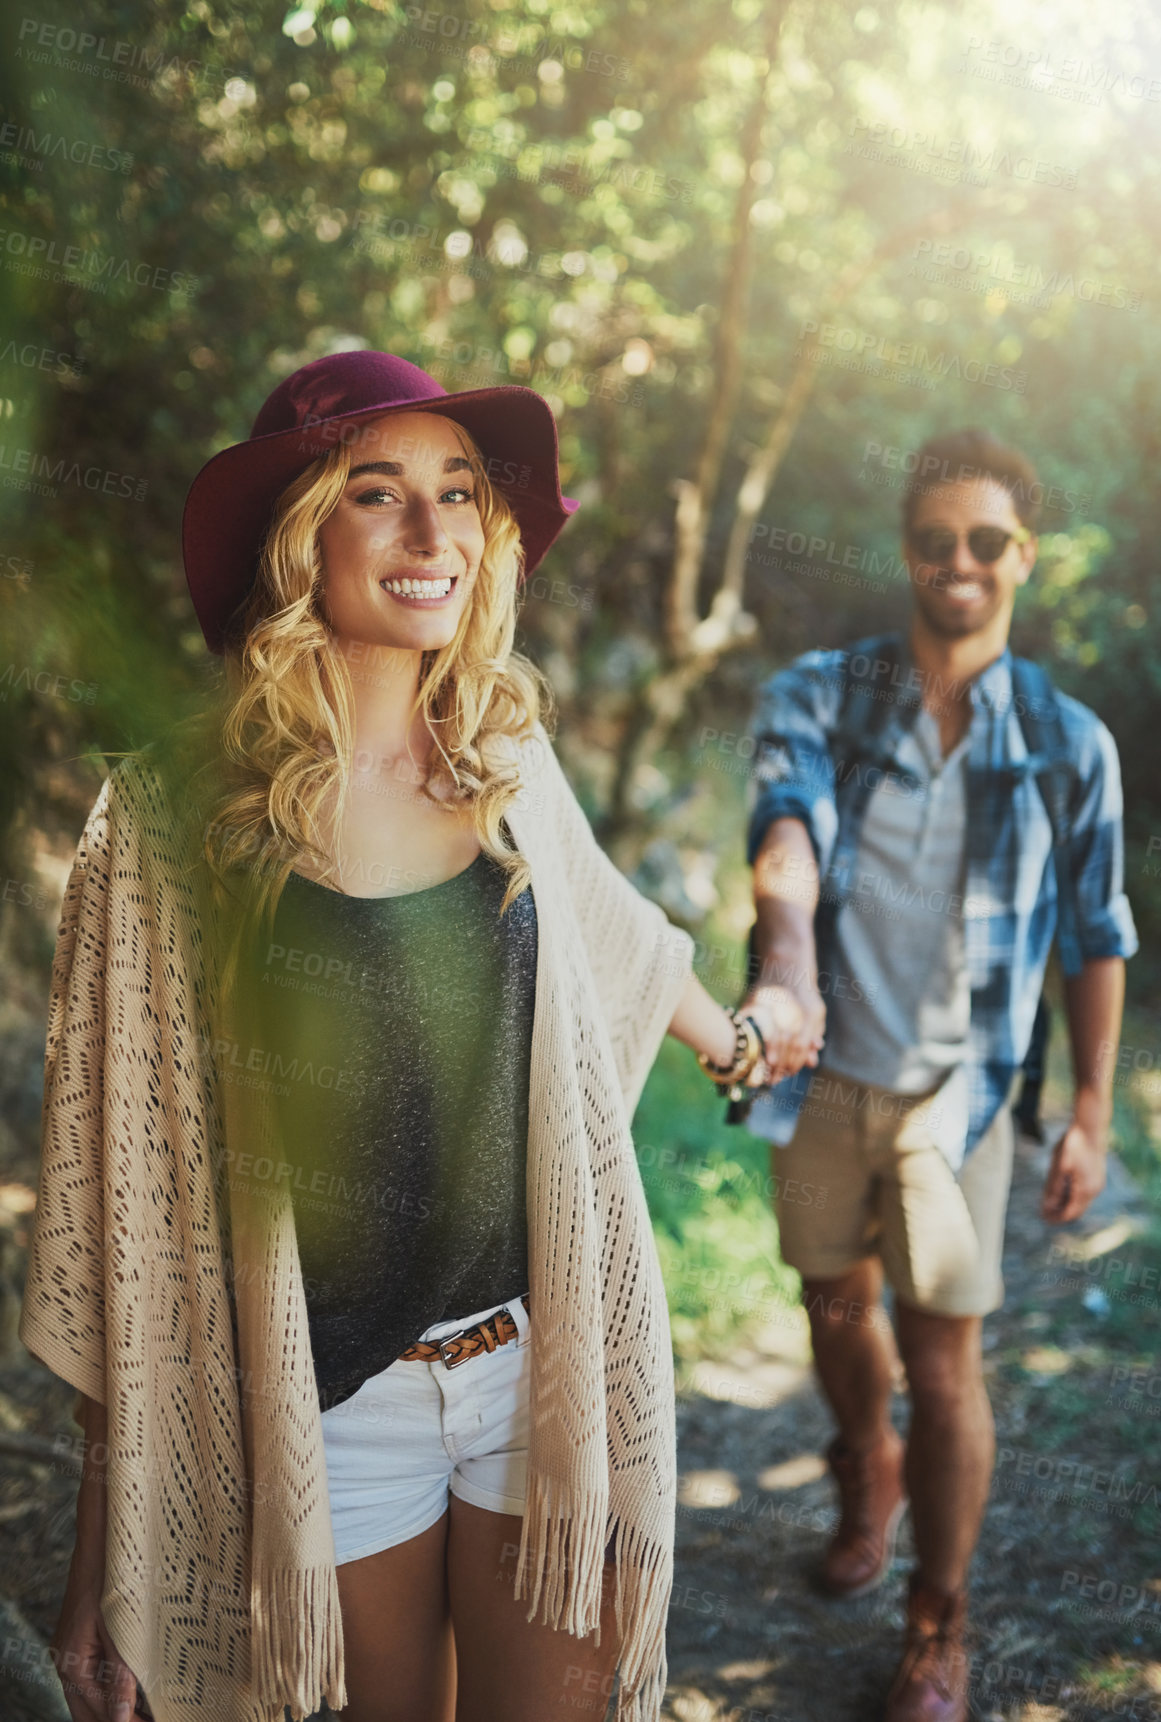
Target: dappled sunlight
[709, 1490]
[1100, 1243]
[793, 1473]
[1047, 1360]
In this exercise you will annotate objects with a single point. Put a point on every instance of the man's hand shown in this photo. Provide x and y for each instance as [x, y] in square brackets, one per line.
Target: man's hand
[1077, 1173]
[1093, 1000]
[792, 1021]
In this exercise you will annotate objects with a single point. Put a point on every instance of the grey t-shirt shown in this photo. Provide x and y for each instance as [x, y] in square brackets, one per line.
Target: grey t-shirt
[900, 934]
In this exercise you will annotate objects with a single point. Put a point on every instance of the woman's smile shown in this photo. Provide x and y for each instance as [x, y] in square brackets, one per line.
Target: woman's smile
[419, 591]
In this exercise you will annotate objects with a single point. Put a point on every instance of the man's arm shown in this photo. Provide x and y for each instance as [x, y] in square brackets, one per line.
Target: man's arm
[1093, 951]
[1094, 1000]
[791, 834]
[785, 1001]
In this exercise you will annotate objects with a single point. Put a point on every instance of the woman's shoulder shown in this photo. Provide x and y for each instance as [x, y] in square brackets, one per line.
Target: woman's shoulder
[138, 785]
[149, 806]
[530, 749]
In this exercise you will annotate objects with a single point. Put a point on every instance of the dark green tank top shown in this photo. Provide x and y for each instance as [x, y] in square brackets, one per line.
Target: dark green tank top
[399, 1031]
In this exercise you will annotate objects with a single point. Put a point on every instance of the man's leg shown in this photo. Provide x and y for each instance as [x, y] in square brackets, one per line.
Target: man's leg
[951, 1444]
[942, 1244]
[853, 1353]
[825, 1198]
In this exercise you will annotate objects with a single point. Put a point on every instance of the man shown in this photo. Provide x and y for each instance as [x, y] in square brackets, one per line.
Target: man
[929, 811]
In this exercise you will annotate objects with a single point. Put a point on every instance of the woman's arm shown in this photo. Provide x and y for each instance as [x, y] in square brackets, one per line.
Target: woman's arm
[700, 1022]
[98, 1686]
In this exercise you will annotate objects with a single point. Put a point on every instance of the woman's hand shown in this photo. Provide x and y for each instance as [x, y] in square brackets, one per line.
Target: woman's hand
[703, 1024]
[98, 1686]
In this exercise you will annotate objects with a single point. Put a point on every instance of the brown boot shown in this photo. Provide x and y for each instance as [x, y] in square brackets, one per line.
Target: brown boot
[873, 1502]
[932, 1682]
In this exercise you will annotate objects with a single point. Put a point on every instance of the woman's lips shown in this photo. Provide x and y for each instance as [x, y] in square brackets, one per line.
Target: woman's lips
[419, 591]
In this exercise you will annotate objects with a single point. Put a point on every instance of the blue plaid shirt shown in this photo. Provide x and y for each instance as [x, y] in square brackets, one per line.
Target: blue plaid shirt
[1014, 903]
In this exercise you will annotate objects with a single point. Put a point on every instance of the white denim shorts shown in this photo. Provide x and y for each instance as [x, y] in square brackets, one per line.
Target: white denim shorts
[416, 1430]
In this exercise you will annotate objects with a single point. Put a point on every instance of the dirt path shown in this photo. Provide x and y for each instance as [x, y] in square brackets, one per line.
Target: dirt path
[1066, 1599]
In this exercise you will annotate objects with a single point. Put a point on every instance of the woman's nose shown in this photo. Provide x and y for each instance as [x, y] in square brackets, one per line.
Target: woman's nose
[423, 527]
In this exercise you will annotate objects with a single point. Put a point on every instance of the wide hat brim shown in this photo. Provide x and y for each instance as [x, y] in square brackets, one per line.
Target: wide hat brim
[231, 501]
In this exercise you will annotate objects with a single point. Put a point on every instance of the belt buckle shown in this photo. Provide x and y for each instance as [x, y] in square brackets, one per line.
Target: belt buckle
[451, 1362]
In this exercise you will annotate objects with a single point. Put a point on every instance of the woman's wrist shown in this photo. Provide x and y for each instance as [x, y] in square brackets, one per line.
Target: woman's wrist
[745, 1053]
[725, 1041]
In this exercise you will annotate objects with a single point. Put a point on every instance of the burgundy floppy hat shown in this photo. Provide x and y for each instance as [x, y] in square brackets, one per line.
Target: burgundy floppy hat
[232, 498]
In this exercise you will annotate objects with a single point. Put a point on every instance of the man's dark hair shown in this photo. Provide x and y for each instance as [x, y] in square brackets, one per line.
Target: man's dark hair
[966, 454]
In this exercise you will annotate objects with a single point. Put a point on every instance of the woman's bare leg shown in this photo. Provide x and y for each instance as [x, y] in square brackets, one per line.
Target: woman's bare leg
[397, 1632]
[511, 1670]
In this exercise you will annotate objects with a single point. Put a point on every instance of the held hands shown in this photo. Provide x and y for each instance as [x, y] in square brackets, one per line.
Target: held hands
[792, 1020]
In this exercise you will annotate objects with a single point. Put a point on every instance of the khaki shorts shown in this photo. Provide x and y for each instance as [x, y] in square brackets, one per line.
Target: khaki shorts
[862, 1177]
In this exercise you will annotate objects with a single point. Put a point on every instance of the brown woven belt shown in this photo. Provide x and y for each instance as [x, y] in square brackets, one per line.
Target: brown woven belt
[499, 1329]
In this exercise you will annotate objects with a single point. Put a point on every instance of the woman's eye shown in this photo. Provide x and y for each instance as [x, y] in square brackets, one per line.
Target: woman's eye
[459, 493]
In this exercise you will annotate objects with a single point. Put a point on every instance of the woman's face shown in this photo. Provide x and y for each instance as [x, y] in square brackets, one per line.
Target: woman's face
[401, 552]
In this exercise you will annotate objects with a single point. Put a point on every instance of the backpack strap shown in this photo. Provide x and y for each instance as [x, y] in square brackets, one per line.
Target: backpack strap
[1042, 726]
[868, 670]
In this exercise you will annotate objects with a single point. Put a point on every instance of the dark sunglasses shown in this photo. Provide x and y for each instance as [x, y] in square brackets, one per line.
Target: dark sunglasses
[986, 543]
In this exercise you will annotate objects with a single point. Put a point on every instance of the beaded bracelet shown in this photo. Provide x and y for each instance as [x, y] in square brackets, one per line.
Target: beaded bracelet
[748, 1049]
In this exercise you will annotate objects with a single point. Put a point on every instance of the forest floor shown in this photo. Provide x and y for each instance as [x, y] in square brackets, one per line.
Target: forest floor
[1066, 1586]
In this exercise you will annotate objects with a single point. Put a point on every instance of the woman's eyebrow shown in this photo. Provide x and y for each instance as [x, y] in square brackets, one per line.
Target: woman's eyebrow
[395, 468]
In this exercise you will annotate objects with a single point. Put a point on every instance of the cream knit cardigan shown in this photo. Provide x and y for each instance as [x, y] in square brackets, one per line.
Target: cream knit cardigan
[157, 1287]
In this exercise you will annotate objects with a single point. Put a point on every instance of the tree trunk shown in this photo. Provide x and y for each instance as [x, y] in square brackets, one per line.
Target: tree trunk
[695, 496]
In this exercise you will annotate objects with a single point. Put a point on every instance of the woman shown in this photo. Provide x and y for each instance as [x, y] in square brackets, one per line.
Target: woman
[339, 1233]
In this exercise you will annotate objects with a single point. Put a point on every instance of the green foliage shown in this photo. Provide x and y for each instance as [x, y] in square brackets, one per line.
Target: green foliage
[709, 1189]
[542, 193]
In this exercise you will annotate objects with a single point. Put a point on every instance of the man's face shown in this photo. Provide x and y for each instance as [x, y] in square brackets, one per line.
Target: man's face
[958, 591]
